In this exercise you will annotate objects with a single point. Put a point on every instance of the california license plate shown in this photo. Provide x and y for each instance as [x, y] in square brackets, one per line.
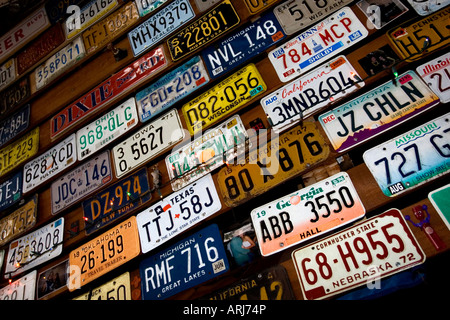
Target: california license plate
[310, 93]
[118, 288]
[10, 190]
[23, 288]
[49, 164]
[189, 262]
[14, 95]
[436, 73]
[367, 252]
[411, 159]
[425, 7]
[224, 98]
[376, 111]
[146, 6]
[177, 212]
[440, 199]
[14, 125]
[109, 127]
[7, 73]
[80, 182]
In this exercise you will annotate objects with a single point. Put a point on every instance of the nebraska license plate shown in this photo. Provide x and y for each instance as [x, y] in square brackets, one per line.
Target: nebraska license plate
[23, 288]
[440, 199]
[411, 159]
[334, 34]
[436, 73]
[14, 125]
[118, 288]
[11, 190]
[371, 250]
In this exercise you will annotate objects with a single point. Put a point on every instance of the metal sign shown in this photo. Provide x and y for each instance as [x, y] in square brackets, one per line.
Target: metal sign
[146, 6]
[425, 7]
[14, 95]
[436, 73]
[10, 190]
[14, 125]
[440, 199]
[7, 73]
[23, 288]
[118, 288]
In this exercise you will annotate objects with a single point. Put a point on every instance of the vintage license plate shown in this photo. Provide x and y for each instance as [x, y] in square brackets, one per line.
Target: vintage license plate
[177, 212]
[409, 37]
[7, 73]
[382, 108]
[206, 153]
[104, 253]
[205, 29]
[149, 142]
[171, 88]
[80, 182]
[223, 99]
[49, 164]
[436, 73]
[373, 249]
[280, 159]
[59, 62]
[14, 125]
[125, 196]
[57, 9]
[146, 6]
[89, 14]
[109, 90]
[106, 129]
[307, 214]
[189, 262]
[411, 159]
[35, 248]
[332, 35]
[160, 25]
[425, 7]
[204, 5]
[14, 95]
[244, 44]
[440, 199]
[310, 93]
[23, 288]
[255, 6]
[106, 30]
[118, 288]
[19, 151]
[10, 190]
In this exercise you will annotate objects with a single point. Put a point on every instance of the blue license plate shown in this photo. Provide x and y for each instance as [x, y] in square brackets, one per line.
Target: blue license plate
[14, 125]
[11, 191]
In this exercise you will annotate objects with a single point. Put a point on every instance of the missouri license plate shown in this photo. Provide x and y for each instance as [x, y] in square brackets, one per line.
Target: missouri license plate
[146, 6]
[11, 190]
[7, 73]
[436, 73]
[118, 288]
[440, 199]
[411, 159]
[14, 125]
[371, 250]
[425, 7]
[23, 288]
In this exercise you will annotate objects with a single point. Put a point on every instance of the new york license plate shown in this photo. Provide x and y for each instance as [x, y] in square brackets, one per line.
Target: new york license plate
[23, 288]
[14, 125]
[11, 190]
[440, 199]
[436, 73]
[118, 288]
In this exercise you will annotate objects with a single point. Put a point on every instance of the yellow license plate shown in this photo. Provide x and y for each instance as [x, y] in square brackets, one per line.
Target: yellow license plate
[255, 6]
[117, 289]
[409, 38]
[21, 150]
[295, 151]
[224, 98]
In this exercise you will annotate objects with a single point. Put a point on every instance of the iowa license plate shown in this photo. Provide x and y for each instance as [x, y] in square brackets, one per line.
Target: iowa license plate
[413, 158]
[118, 288]
[23, 288]
[374, 249]
[15, 124]
[10, 190]
[440, 199]
[436, 73]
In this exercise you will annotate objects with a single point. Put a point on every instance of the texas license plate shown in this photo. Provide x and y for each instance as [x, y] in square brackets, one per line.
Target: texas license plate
[177, 212]
[255, 6]
[189, 262]
[171, 88]
[10, 190]
[23, 288]
[310, 93]
[160, 25]
[206, 153]
[7, 73]
[149, 142]
[425, 7]
[382, 108]
[412, 158]
[224, 98]
[49, 164]
[440, 199]
[14, 95]
[205, 29]
[266, 167]
[80, 182]
[367, 252]
[146, 6]
[118, 288]
[436, 73]
[14, 125]
[109, 127]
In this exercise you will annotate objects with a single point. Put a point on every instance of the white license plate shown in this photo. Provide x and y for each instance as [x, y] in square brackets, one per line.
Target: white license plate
[436, 73]
[177, 212]
[334, 34]
[360, 255]
[21, 289]
[118, 288]
[46, 166]
[106, 129]
[148, 143]
[146, 6]
[7, 73]
[426, 7]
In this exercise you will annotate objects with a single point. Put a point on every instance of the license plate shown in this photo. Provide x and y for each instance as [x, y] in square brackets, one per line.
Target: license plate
[266, 167]
[189, 262]
[204, 5]
[160, 25]
[10, 191]
[378, 110]
[14, 95]
[19, 151]
[232, 93]
[35, 248]
[109, 127]
[49, 164]
[146, 6]
[374, 249]
[21, 289]
[18, 222]
[436, 73]
[14, 125]
[106, 30]
[310, 93]
[125, 196]
[80, 182]
[412, 158]
[177, 212]
[205, 29]
[206, 153]
[118, 288]
[255, 6]
[7, 73]
[58, 63]
[104, 253]
[409, 37]
[334, 34]
[425, 7]
[171, 88]
[244, 44]
[149, 142]
[57, 9]
[440, 199]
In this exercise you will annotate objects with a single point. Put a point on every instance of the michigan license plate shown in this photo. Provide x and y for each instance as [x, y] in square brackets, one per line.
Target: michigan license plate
[118, 288]
[436, 73]
[23, 288]
[14, 125]
[10, 190]
[440, 199]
